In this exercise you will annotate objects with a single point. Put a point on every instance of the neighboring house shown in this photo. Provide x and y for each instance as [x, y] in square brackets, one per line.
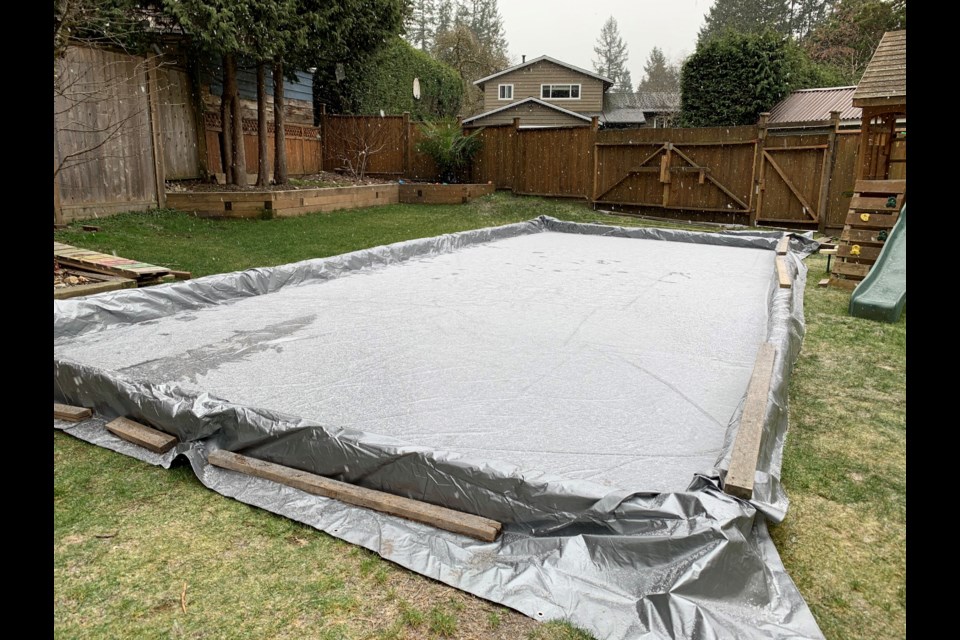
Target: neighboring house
[650, 109]
[546, 92]
[543, 92]
[811, 108]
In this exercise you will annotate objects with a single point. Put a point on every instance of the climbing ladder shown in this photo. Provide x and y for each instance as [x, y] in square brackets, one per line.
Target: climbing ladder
[873, 211]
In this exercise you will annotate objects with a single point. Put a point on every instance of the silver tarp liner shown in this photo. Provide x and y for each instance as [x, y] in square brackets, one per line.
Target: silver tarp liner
[581, 384]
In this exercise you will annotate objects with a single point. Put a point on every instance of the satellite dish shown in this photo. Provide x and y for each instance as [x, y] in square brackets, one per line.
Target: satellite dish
[416, 88]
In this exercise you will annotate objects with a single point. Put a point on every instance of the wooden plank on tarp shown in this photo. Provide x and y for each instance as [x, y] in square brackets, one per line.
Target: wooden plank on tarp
[434, 515]
[746, 447]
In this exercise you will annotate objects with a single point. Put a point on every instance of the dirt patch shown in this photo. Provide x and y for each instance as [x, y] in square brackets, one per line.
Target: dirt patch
[313, 181]
[63, 278]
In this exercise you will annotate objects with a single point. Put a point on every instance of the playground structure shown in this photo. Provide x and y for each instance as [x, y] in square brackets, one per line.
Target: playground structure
[873, 219]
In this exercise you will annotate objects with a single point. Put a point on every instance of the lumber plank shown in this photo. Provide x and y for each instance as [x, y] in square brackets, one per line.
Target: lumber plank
[851, 269]
[863, 203]
[783, 246]
[873, 221]
[113, 284]
[142, 435]
[70, 413]
[860, 236]
[783, 273]
[864, 253]
[824, 282]
[440, 517]
[746, 447]
[848, 285]
[892, 187]
[828, 252]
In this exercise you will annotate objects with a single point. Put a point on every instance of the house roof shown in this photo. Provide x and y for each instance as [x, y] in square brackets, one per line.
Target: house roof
[659, 101]
[885, 79]
[513, 105]
[815, 105]
[607, 81]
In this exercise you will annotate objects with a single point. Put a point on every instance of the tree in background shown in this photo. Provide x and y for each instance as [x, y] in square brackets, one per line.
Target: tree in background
[847, 38]
[611, 59]
[421, 24]
[483, 18]
[386, 84]
[732, 78]
[659, 76]
[747, 17]
[344, 63]
[446, 13]
[461, 49]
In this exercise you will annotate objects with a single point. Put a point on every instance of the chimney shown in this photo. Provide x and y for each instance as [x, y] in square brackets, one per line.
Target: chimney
[523, 58]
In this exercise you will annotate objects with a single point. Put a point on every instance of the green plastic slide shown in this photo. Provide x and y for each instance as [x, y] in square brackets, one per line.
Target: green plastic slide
[883, 293]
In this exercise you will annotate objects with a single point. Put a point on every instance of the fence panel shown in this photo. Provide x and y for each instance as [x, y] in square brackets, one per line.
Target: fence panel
[555, 162]
[178, 124]
[375, 143]
[103, 145]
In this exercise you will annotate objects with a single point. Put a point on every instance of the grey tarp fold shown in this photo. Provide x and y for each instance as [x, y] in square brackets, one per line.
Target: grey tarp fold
[620, 563]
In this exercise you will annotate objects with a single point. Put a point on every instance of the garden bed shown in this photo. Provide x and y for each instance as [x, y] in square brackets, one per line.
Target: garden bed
[422, 193]
[290, 202]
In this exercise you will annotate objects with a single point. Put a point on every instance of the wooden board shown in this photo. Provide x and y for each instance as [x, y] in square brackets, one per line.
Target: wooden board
[104, 263]
[783, 246]
[860, 236]
[746, 447]
[892, 187]
[873, 221]
[862, 203]
[436, 516]
[70, 413]
[783, 273]
[94, 287]
[851, 269]
[142, 435]
[866, 253]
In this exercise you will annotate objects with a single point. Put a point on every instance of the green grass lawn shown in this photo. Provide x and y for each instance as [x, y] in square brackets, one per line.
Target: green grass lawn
[144, 552]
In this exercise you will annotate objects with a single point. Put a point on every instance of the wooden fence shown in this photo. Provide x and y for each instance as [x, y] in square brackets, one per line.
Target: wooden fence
[303, 144]
[799, 178]
[125, 124]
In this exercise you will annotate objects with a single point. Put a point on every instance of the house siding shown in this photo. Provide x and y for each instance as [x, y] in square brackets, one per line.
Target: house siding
[531, 115]
[526, 84]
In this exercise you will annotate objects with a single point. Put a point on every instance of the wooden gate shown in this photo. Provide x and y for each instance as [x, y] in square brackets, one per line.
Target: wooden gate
[791, 171]
[690, 171]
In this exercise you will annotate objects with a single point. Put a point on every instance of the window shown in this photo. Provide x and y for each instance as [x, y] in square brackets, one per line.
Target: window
[560, 91]
[506, 92]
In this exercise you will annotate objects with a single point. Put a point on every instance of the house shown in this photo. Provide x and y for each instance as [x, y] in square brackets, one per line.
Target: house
[657, 109]
[543, 92]
[811, 108]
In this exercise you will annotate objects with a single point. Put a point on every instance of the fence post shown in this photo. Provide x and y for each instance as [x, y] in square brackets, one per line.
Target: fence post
[756, 193]
[826, 176]
[154, 110]
[406, 145]
[517, 150]
[323, 135]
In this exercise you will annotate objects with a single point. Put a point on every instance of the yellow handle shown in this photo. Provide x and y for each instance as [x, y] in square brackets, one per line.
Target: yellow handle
[855, 250]
[865, 217]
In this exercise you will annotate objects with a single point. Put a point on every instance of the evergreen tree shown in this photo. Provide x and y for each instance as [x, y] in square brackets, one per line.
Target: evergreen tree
[659, 75]
[422, 24]
[483, 18]
[460, 48]
[611, 59]
[446, 14]
[747, 16]
[846, 39]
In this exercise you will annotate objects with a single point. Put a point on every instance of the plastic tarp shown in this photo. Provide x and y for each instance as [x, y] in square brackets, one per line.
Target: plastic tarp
[581, 384]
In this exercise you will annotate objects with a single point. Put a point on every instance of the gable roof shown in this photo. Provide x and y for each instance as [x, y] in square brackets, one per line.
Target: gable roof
[815, 105]
[513, 105]
[607, 81]
[885, 79]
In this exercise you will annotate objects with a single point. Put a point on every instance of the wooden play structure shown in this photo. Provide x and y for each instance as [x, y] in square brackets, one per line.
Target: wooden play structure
[881, 185]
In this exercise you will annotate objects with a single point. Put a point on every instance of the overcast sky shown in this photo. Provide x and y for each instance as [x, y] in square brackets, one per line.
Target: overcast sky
[568, 29]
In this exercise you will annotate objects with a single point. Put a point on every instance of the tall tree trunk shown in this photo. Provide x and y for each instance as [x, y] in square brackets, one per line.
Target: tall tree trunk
[263, 170]
[226, 123]
[279, 135]
[239, 155]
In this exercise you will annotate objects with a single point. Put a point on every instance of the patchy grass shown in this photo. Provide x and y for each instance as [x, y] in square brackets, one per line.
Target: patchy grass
[844, 538]
[128, 536]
